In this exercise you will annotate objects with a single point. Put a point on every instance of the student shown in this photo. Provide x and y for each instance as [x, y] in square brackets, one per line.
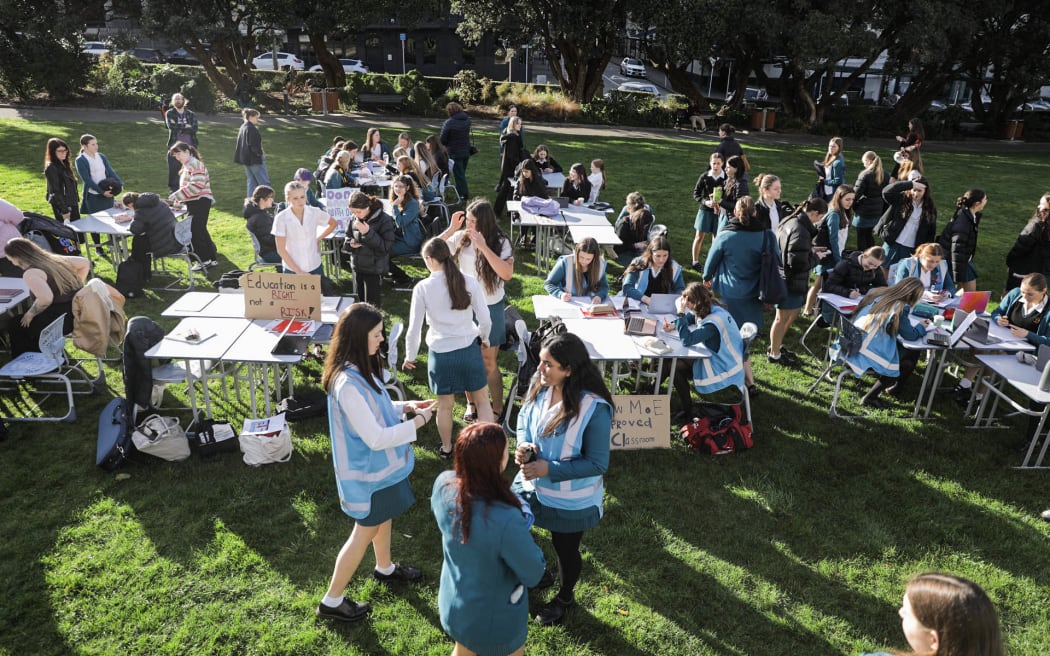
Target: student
[94, 169]
[408, 232]
[490, 558]
[857, 273]
[372, 454]
[959, 239]
[563, 450]
[182, 128]
[834, 170]
[632, 227]
[1024, 311]
[249, 152]
[62, 190]
[530, 181]
[428, 170]
[869, 204]
[407, 166]
[832, 234]
[577, 187]
[582, 273]
[928, 265]
[1031, 252]
[258, 222]
[770, 208]
[339, 175]
[882, 316]
[729, 148]
[374, 148]
[298, 231]
[734, 262]
[654, 272]
[543, 159]
[945, 615]
[733, 189]
[369, 239]
[306, 178]
[795, 236]
[449, 301]
[456, 138]
[484, 252]
[153, 227]
[437, 150]
[195, 191]
[912, 141]
[597, 180]
[512, 112]
[706, 221]
[404, 142]
[909, 220]
[704, 320]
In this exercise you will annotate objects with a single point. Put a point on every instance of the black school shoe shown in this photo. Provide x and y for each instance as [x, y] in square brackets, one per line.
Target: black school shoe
[400, 573]
[554, 612]
[546, 581]
[348, 611]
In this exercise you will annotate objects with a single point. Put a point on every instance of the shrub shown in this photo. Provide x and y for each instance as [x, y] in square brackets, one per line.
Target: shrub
[121, 98]
[468, 88]
[168, 79]
[125, 73]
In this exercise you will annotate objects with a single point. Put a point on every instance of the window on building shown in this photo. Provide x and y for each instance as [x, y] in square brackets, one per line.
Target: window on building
[429, 50]
[373, 41]
[468, 56]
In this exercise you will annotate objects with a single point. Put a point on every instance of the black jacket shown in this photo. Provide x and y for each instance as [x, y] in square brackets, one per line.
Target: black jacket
[455, 134]
[62, 190]
[762, 212]
[848, 275]
[374, 255]
[249, 150]
[260, 223]
[795, 238]
[572, 191]
[549, 163]
[706, 185]
[143, 334]
[896, 216]
[959, 240]
[155, 220]
[868, 201]
[1031, 251]
[511, 144]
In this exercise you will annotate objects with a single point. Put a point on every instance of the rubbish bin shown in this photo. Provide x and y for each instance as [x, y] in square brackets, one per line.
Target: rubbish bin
[763, 119]
[1014, 129]
[324, 101]
[771, 118]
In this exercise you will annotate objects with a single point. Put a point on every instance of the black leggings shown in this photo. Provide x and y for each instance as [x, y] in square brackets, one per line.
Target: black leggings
[570, 563]
[203, 245]
[865, 238]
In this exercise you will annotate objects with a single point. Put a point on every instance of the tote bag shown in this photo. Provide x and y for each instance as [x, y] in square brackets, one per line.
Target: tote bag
[772, 289]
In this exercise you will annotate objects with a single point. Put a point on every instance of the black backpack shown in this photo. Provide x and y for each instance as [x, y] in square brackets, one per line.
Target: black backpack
[51, 235]
[132, 277]
[306, 404]
[548, 328]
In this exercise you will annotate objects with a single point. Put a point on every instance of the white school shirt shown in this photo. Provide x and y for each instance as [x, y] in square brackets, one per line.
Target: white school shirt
[596, 180]
[450, 330]
[301, 238]
[468, 260]
[98, 170]
[907, 235]
[774, 217]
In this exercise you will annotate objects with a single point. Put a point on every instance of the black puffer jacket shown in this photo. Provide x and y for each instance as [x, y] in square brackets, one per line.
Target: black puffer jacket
[1031, 251]
[155, 220]
[795, 238]
[143, 333]
[896, 216]
[260, 223]
[849, 275]
[455, 134]
[959, 240]
[374, 254]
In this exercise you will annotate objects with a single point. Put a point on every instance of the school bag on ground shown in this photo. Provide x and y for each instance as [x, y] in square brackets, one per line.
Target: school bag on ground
[718, 429]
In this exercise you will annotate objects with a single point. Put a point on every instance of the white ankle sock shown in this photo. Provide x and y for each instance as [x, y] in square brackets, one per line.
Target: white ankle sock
[386, 571]
[332, 602]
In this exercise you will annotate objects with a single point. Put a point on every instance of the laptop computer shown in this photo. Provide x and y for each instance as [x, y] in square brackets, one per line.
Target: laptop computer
[961, 323]
[563, 201]
[978, 332]
[662, 303]
[645, 326]
[975, 301]
[291, 344]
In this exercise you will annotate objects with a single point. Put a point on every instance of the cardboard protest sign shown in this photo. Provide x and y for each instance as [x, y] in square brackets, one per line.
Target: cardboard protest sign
[641, 422]
[281, 295]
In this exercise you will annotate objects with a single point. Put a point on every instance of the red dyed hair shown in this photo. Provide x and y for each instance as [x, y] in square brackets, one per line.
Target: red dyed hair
[479, 453]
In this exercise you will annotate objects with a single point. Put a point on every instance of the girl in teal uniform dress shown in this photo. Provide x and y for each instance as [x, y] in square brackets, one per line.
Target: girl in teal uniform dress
[371, 452]
[563, 436]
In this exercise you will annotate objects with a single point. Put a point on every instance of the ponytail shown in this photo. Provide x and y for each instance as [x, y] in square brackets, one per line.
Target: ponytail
[437, 250]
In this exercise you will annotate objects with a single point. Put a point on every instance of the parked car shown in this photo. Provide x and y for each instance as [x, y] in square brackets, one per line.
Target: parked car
[147, 55]
[95, 48]
[640, 87]
[1035, 105]
[938, 105]
[181, 57]
[632, 67]
[349, 66]
[285, 61]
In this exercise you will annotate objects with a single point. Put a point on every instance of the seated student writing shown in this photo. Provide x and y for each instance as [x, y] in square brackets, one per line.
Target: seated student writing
[582, 273]
[653, 273]
[153, 227]
[882, 316]
[928, 265]
[547, 164]
[1024, 311]
[857, 273]
[704, 320]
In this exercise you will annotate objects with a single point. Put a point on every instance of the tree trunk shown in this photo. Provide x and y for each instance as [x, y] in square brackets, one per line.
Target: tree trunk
[334, 75]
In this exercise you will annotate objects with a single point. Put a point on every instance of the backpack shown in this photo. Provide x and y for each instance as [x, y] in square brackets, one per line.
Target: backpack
[131, 278]
[230, 280]
[718, 430]
[50, 235]
[306, 403]
[548, 328]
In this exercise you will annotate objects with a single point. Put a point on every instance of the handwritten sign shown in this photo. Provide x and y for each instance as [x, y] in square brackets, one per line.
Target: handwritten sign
[641, 422]
[337, 204]
[281, 295]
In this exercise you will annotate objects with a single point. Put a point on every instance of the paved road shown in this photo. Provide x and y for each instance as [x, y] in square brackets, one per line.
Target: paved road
[362, 120]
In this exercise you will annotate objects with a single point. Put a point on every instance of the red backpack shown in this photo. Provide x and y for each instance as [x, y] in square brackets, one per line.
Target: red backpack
[718, 430]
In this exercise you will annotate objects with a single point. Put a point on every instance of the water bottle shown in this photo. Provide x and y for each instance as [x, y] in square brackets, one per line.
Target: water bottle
[1044, 380]
[386, 158]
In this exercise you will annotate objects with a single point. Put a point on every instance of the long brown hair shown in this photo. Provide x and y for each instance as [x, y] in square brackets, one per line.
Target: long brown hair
[437, 250]
[53, 144]
[700, 299]
[55, 267]
[478, 453]
[571, 354]
[666, 274]
[828, 157]
[349, 346]
[959, 611]
[412, 191]
[845, 215]
[594, 272]
[423, 153]
[485, 222]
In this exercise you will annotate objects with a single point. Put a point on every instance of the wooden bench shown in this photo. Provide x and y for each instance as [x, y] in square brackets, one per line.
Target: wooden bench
[379, 100]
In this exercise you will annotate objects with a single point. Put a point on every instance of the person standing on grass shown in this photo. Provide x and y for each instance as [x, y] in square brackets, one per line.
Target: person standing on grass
[834, 170]
[795, 238]
[371, 453]
[449, 302]
[455, 137]
[597, 180]
[298, 231]
[831, 236]
[369, 239]
[869, 203]
[945, 615]
[490, 558]
[249, 152]
[182, 127]
[959, 239]
[1031, 252]
[707, 187]
[62, 190]
[728, 148]
[194, 189]
[771, 209]
[483, 252]
[909, 220]
[101, 182]
[563, 452]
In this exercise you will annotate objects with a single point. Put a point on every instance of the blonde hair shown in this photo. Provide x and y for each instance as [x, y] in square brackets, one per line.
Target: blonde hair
[887, 303]
[872, 162]
[55, 267]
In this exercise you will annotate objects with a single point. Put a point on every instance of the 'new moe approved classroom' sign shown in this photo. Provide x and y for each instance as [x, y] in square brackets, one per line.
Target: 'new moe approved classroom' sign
[641, 422]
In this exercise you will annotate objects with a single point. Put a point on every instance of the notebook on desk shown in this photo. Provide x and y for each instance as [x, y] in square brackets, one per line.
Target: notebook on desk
[291, 344]
[662, 304]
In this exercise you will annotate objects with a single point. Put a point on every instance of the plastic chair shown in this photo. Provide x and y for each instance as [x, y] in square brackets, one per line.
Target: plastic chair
[847, 345]
[390, 380]
[160, 266]
[512, 394]
[46, 373]
[259, 261]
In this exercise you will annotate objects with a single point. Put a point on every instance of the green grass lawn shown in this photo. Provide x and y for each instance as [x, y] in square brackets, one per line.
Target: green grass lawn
[800, 546]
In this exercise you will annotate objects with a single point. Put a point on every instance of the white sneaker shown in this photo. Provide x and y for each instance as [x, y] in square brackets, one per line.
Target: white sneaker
[202, 265]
